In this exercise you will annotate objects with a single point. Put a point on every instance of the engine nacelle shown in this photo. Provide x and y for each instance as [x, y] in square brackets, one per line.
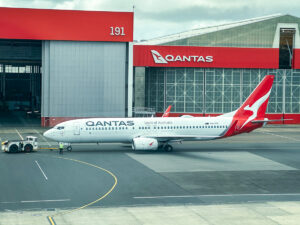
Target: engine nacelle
[141, 143]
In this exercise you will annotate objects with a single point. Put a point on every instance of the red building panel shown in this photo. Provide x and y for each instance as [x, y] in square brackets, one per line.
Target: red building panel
[71, 25]
[217, 57]
[296, 59]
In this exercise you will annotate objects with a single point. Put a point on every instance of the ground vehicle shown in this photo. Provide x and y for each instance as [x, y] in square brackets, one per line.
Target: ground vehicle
[27, 145]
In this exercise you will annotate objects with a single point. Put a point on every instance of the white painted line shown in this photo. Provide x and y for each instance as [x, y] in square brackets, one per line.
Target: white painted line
[19, 134]
[41, 170]
[269, 132]
[43, 138]
[225, 195]
[7, 202]
[50, 200]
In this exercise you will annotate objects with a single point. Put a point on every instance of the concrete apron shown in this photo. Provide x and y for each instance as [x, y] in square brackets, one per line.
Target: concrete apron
[267, 213]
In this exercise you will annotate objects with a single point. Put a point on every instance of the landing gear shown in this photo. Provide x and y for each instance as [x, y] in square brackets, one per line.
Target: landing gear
[69, 148]
[168, 148]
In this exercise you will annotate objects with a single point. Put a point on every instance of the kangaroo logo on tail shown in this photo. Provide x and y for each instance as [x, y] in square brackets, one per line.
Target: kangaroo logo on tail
[254, 108]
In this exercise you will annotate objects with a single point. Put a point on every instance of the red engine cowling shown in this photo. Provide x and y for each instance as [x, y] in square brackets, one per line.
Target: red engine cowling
[141, 143]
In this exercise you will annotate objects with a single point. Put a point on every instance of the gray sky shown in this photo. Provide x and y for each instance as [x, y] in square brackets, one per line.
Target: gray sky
[157, 18]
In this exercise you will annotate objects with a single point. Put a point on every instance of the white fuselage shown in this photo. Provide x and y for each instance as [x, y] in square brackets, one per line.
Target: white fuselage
[108, 130]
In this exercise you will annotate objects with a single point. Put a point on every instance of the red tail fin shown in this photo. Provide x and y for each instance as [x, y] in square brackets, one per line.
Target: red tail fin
[254, 107]
[166, 114]
[256, 104]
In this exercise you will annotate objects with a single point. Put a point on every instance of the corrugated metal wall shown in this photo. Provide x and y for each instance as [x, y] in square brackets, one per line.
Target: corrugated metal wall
[83, 79]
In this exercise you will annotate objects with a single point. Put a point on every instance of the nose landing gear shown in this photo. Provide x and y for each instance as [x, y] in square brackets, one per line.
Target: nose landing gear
[69, 148]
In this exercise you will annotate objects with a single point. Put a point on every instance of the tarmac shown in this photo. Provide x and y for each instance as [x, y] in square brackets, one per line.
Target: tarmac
[248, 179]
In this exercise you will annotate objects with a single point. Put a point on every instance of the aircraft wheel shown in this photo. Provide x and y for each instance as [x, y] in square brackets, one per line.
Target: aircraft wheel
[168, 148]
[69, 148]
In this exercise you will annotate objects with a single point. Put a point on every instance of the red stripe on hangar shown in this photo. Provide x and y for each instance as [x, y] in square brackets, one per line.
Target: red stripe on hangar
[71, 25]
[217, 57]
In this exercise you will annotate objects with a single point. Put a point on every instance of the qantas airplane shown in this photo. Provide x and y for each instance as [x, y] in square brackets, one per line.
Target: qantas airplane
[158, 132]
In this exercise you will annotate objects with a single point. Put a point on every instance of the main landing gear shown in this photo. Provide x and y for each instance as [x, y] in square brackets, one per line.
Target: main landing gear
[166, 147]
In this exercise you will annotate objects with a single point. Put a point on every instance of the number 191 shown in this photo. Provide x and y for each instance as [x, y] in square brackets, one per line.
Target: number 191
[117, 31]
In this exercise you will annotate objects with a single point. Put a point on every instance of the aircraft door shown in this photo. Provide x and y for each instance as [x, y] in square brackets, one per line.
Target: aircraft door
[76, 129]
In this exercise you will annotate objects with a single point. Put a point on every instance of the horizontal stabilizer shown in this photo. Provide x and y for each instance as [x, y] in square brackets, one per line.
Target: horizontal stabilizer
[268, 121]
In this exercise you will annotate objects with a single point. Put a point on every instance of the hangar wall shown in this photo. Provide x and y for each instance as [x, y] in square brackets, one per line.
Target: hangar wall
[83, 79]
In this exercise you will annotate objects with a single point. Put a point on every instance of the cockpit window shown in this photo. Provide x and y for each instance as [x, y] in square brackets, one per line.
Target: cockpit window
[60, 128]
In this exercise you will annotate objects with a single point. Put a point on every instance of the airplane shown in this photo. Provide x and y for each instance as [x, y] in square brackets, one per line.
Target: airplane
[158, 132]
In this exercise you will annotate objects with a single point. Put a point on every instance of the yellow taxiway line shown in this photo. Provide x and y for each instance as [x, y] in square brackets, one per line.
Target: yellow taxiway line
[50, 218]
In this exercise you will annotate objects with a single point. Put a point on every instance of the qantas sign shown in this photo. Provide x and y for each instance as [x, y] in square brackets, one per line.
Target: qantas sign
[204, 57]
[158, 58]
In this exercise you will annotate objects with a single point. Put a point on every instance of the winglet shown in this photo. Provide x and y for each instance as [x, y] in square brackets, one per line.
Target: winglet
[167, 112]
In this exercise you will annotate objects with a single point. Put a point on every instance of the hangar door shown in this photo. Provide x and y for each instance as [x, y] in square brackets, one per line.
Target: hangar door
[20, 77]
[84, 79]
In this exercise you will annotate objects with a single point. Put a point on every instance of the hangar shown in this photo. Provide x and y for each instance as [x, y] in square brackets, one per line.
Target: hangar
[210, 71]
[65, 64]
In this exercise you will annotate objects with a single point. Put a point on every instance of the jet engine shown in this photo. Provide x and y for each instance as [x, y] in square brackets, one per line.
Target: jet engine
[141, 143]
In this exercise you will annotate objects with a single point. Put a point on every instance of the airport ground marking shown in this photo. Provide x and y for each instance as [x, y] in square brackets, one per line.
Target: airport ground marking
[269, 132]
[51, 218]
[48, 200]
[49, 148]
[221, 195]
[19, 135]
[34, 201]
[41, 169]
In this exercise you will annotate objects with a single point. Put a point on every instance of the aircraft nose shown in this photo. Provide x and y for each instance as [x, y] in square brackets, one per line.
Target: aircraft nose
[47, 134]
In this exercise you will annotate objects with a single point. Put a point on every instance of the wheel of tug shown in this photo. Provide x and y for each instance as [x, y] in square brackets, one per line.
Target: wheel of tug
[28, 148]
[69, 148]
[168, 148]
[13, 148]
